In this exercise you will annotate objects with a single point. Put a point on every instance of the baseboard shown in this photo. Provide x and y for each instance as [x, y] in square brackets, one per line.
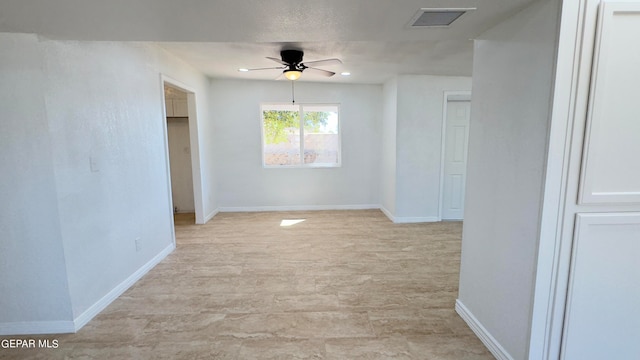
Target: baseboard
[37, 328]
[487, 339]
[101, 304]
[408, 220]
[210, 216]
[61, 327]
[387, 213]
[298, 208]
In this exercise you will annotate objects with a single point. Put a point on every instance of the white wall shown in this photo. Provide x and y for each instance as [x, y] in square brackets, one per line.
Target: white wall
[388, 156]
[33, 285]
[99, 120]
[242, 181]
[104, 104]
[512, 80]
[419, 114]
[202, 148]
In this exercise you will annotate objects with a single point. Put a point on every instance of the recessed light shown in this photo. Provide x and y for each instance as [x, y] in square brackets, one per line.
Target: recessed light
[243, 70]
[346, 73]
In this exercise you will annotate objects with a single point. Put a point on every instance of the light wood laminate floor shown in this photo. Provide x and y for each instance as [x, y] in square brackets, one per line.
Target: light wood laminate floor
[337, 285]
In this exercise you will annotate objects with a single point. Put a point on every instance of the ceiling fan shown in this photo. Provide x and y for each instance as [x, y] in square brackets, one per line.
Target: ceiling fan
[293, 66]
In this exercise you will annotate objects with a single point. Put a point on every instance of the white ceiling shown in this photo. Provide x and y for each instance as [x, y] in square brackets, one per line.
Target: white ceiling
[371, 37]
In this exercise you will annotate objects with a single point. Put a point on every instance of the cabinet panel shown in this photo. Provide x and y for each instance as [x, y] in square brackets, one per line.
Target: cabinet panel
[168, 107]
[180, 108]
[611, 163]
[602, 318]
[176, 107]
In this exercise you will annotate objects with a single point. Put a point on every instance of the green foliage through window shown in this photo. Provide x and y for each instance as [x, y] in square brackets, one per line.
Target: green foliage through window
[314, 120]
[279, 124]
[300, 135]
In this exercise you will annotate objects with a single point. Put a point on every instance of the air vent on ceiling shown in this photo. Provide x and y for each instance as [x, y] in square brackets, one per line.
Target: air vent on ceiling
[437, 17]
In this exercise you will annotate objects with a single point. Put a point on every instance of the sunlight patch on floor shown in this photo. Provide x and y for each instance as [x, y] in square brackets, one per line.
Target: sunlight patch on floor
[291, 222]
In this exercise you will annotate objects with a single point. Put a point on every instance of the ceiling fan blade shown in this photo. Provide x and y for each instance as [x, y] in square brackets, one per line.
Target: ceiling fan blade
[267, 68]
[324, 62]
[277, 60]
[320, 71]
[280, 77]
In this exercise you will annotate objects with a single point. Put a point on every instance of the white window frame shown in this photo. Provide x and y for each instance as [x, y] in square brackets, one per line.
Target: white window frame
[301, 112]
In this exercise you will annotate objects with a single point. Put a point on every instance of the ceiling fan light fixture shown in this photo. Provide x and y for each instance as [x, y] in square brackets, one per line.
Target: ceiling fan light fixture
[292, 74]
[292, 66]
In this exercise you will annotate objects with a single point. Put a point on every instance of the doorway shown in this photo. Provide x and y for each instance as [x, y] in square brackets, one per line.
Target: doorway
[181, 149]
[457, 114]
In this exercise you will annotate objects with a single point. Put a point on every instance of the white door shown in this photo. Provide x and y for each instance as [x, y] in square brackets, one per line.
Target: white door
[455, 159]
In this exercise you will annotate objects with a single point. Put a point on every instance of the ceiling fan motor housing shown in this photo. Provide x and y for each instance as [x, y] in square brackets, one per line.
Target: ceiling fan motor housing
[291, 56]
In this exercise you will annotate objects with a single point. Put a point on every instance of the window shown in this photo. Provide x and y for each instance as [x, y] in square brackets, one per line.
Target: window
[289, 142]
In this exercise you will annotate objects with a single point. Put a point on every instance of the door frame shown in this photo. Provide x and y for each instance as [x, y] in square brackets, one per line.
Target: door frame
[571, 88]
[462, 95]
[196, 172]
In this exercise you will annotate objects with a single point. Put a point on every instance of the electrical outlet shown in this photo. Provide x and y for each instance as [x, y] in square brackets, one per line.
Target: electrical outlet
[138, 245]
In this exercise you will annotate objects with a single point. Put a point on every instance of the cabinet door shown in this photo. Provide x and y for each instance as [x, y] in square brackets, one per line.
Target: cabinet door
[168, 107]
[611, 163]
[602, 319]
[180, 108]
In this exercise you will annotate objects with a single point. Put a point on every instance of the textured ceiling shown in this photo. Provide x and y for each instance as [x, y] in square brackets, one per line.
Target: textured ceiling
[371, 37]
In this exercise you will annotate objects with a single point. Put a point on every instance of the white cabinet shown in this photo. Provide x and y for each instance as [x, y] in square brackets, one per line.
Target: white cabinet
[176, 107]
[602, 316]
[602, 307]
[611, 165]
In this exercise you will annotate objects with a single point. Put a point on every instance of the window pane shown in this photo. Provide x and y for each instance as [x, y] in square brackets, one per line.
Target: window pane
[321, 139]
[281, 135]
